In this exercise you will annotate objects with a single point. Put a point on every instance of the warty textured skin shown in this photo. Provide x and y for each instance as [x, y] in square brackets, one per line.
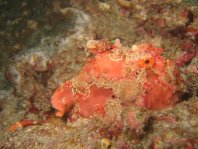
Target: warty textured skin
[134, 76]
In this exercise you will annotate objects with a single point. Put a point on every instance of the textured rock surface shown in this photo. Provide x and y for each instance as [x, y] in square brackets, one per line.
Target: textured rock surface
[43, 45]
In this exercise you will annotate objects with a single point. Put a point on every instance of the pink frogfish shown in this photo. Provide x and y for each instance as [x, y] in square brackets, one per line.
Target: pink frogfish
[135, 76]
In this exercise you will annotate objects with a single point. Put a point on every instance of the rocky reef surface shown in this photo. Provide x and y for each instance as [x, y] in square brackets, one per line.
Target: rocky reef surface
[136, 92]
